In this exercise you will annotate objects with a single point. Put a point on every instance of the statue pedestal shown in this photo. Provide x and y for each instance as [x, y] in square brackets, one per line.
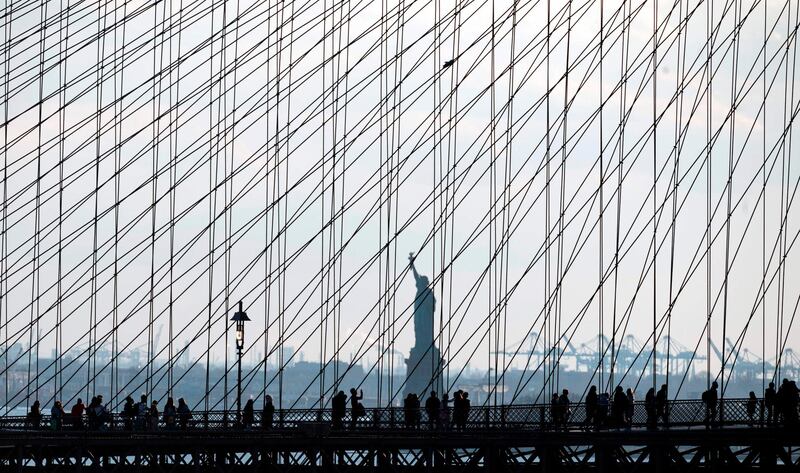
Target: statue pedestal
[421, 366]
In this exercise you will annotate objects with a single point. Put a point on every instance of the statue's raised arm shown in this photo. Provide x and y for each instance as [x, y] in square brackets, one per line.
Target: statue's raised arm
[413, 268]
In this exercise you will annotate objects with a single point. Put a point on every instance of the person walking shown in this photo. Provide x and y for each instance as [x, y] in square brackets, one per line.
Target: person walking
[710, 399]
[752, 402]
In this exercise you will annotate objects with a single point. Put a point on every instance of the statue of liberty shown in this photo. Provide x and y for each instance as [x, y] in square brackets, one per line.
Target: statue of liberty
[424, 364]
[424, 308]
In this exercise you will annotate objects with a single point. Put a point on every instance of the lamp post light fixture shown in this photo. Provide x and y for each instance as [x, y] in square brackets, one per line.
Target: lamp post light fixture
[240, 317]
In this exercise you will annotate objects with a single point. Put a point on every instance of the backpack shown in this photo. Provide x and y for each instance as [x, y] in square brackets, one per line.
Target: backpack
[705, 397]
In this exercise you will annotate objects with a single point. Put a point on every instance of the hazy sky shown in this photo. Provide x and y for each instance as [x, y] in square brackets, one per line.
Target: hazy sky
[337, 147]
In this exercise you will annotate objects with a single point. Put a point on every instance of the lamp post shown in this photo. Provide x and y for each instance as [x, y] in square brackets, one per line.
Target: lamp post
[240, 317]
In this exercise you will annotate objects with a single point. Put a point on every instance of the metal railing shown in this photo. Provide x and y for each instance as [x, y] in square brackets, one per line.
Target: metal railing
[682, 413]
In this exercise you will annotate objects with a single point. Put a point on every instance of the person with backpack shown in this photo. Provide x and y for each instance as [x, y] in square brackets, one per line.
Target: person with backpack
[35, 415]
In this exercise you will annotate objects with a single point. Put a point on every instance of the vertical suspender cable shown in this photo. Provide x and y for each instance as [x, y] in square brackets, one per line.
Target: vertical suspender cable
[34, 324]
[600, 265]
[546, 323]
[212, 197]
[764, 211]
[709, 92]
[9, 10]
[729, 186]
[655, 184]
[63, 44]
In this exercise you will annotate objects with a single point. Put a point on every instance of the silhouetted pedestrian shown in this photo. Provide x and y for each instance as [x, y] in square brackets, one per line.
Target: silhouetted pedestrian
[650, 408]
[432, 405]
[467, 406]
[710, 399]
[338, 409]
[356, 408]
[564, 406]
[555, 411]
[792, 399]
[591, 406]
[618, 407]
[184, 414]
[141, 413]
[769, 402]
[752, 402]
[152, 416]
[629, 407]
[602, 409]
[269, 412]
[128, 413]
[170, 414]
[100, 414]
[458, 409]
[444, 412]
[416, 409]
[76, 414]
[91, 417]
[35, 415]
[248, 414]
[408, 419]
[662, 410]
[56, 416]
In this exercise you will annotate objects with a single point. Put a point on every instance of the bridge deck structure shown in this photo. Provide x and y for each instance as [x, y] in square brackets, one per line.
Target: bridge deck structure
[520, 438]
